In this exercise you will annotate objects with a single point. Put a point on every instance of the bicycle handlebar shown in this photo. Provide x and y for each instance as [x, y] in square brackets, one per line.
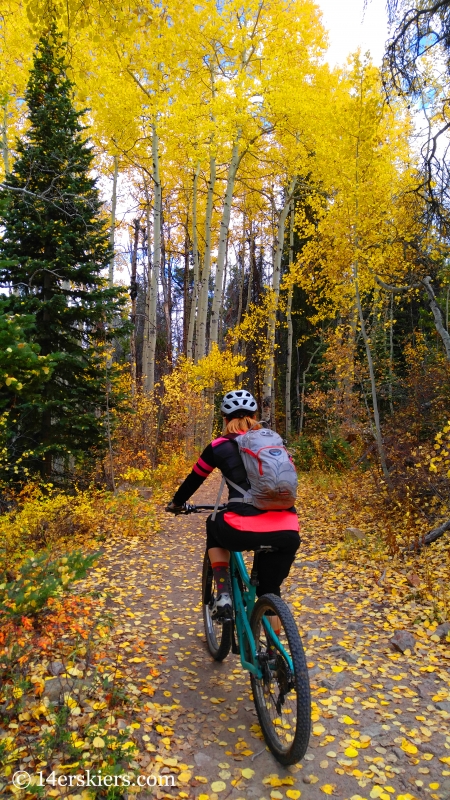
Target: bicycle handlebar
[191, 509]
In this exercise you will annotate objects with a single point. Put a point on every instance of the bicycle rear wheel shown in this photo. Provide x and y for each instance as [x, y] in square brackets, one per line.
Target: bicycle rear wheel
[218, 634]
[282, 697]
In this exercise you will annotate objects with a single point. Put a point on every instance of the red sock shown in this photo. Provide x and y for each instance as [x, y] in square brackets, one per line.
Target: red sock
[220, 570]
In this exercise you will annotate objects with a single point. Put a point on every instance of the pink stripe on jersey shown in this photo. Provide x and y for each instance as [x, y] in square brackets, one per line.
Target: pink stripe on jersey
[204, 465]
[200, 471]
[269, 522]
[221, 439]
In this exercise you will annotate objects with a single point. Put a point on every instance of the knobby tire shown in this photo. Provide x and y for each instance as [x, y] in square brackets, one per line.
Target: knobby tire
[218, 636]
[287, 741]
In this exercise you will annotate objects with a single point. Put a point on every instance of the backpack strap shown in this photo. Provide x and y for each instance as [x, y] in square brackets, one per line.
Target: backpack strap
[246, 496]
[222, 484]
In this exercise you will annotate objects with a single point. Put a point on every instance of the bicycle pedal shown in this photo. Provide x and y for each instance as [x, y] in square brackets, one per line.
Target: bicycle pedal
[227, 617]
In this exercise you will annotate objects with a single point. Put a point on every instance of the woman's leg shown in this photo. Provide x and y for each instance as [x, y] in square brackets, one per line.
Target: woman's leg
[219, 554]
[219, 558]
[273, 568]
[272, 571]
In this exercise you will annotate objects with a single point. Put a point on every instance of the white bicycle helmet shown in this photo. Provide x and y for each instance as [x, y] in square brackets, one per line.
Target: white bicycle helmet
[238, 400]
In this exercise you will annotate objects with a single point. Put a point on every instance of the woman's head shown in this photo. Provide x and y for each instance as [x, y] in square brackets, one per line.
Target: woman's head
[239, 409]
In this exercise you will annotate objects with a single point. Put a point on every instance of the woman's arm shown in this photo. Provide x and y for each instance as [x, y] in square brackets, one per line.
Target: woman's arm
[200, 471]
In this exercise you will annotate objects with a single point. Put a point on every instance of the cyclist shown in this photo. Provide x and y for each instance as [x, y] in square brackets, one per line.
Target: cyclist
[240, 526]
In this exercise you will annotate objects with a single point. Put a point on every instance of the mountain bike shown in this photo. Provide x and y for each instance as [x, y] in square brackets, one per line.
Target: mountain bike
[276, 661]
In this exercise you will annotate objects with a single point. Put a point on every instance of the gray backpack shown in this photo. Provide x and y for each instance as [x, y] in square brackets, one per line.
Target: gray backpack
[270, 471]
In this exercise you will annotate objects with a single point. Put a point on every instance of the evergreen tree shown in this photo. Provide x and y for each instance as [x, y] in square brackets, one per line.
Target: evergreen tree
[22, 370]
[53, 256]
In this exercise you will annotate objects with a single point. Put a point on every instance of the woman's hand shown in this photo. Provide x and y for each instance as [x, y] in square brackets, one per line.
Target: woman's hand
[173, 509]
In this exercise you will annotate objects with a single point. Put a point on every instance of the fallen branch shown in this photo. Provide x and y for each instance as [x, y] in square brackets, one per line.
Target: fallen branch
[438, 316]
[430, 537]
[255, 755]
[365, 454]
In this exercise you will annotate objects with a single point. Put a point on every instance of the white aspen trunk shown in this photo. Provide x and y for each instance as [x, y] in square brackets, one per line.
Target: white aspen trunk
[373, 384]
[166, 288]
[269, 368]
[193, 311]
[145, 348]
[222, 302]
[156, 265]
[252, 267]
[446, 308]
[241, 284]
[221, 253]
[301, 399]
[391, 352]
[113, 221]
[204, 284]
[376, 414]
[290, 329]
[5, 148]
[133, 295]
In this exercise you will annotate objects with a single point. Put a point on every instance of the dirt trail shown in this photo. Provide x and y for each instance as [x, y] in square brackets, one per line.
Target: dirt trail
[378, 731]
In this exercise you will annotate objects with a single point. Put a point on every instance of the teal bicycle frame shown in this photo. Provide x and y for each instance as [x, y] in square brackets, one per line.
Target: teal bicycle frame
[244, 602]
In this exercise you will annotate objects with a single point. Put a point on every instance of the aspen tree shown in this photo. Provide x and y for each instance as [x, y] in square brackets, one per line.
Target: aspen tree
[367, 166]
[152, 289]
[133, 295]
[16, 49]
[290, 335]
[149, 366]
[241, 262]
[276, 276]
[113, 219]
[5, 145]
[206, 270]
[194, 300]
[224, 225]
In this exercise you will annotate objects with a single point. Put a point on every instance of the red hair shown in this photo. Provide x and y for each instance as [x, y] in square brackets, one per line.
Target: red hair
[241, 424]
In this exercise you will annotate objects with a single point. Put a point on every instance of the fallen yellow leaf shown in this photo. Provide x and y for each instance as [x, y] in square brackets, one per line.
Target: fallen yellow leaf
[218, 786]
[247, 773]
[318, 729]
[408, 747]
[98, 742]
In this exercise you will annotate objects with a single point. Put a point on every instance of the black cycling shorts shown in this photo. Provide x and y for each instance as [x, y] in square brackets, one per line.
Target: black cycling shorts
[273, 568]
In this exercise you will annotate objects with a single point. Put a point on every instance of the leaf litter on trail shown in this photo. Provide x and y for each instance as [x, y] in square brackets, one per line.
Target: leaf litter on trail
[370, 703]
